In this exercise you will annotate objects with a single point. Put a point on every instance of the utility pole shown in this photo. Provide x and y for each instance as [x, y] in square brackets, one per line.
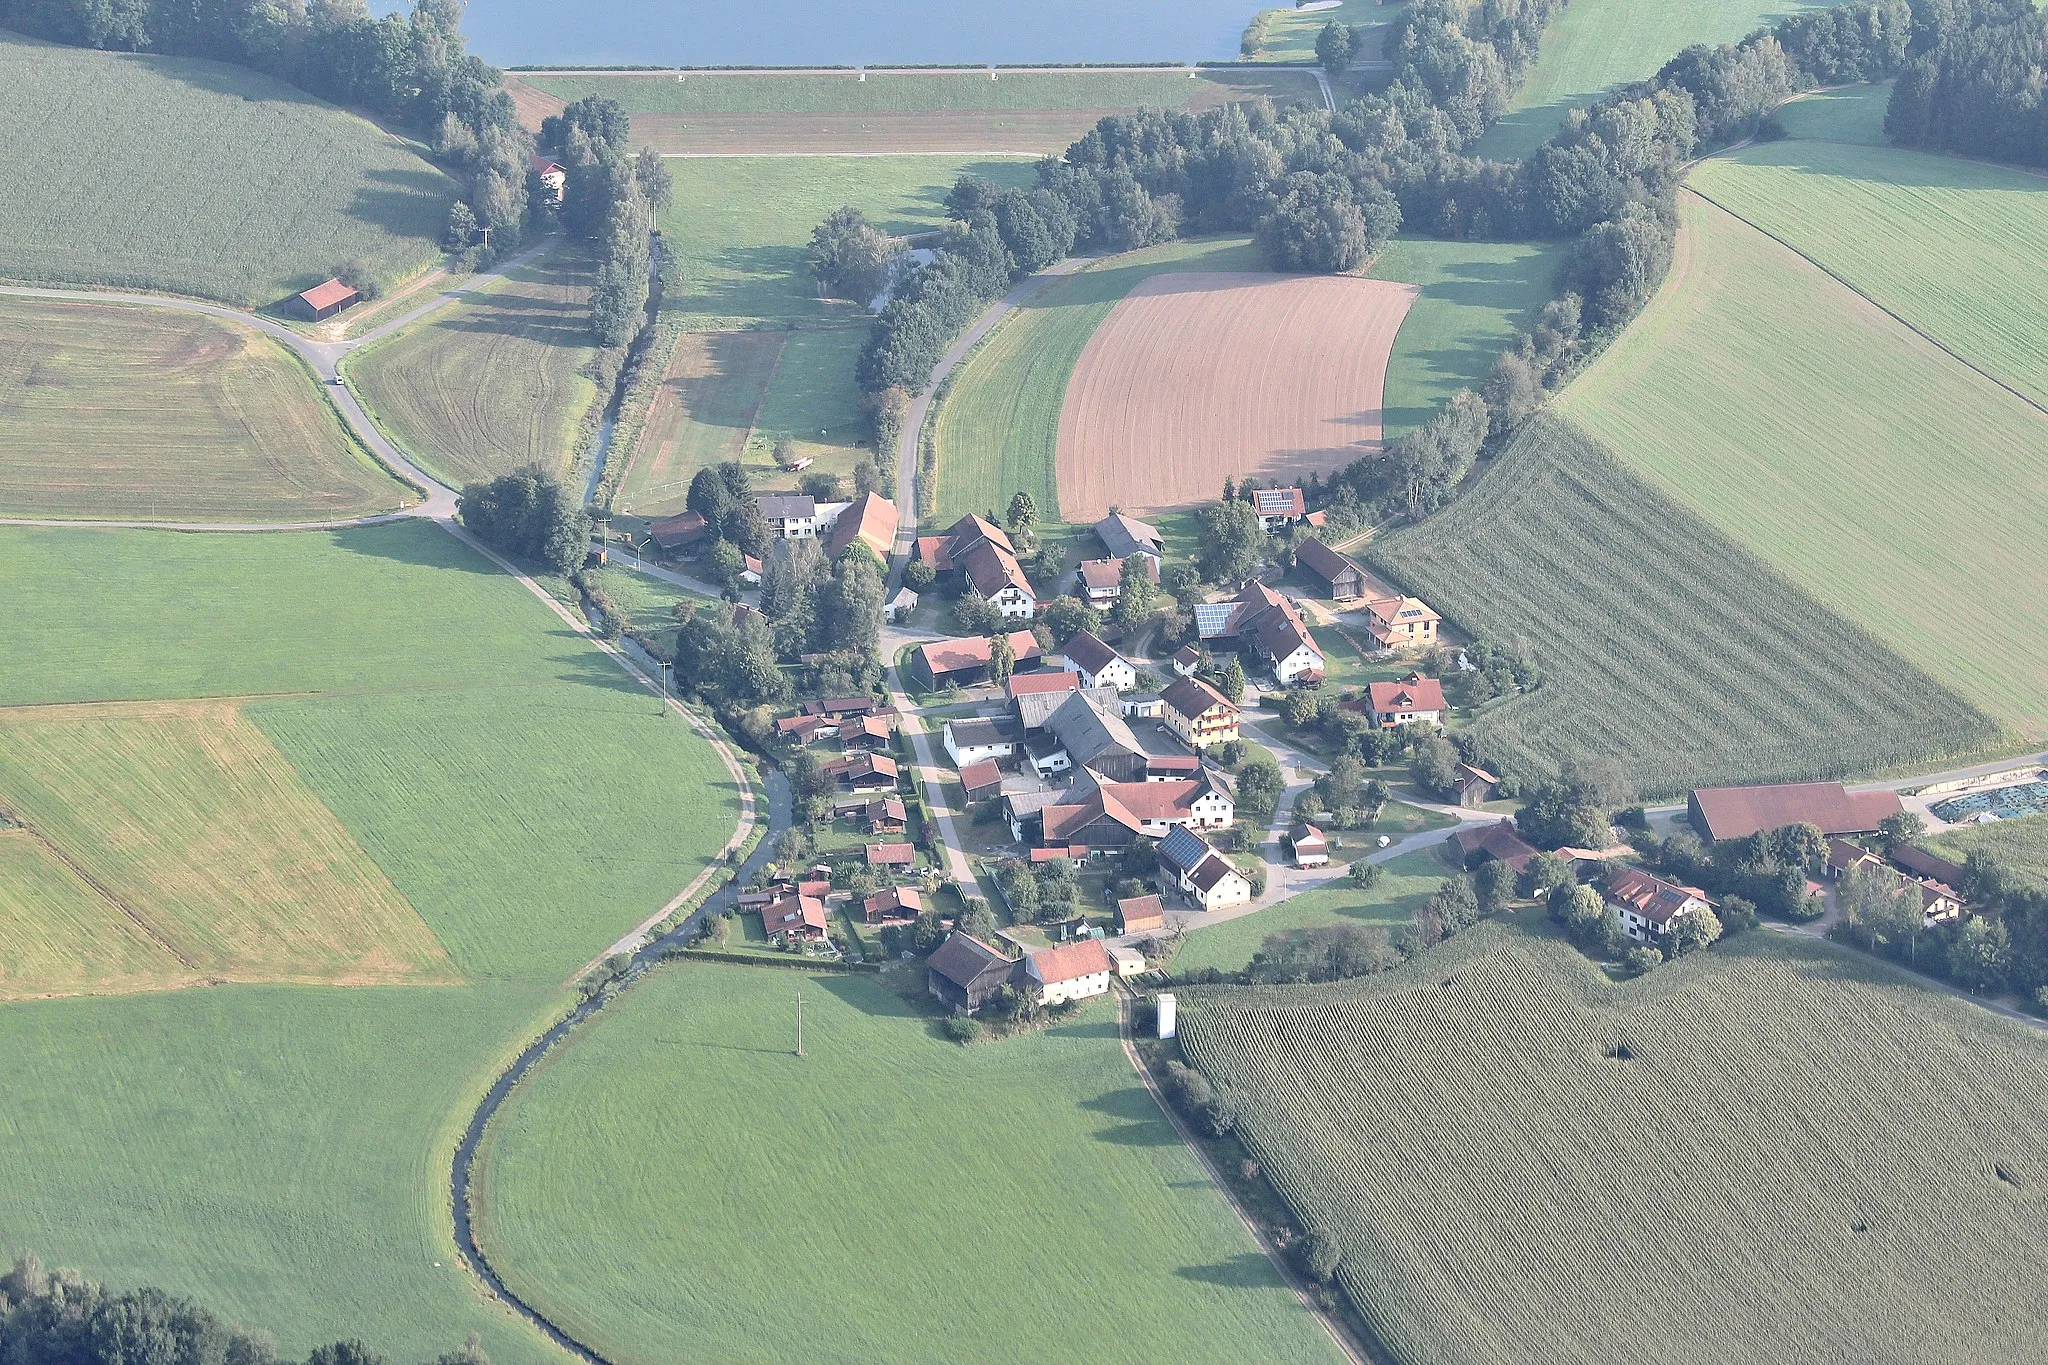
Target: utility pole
[799, 1021]
[665, 669]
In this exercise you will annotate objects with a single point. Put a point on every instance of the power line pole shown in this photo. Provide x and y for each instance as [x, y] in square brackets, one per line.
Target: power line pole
[799, 1021]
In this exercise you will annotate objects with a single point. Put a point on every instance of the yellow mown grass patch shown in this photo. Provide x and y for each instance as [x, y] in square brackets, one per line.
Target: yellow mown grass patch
[60, 936]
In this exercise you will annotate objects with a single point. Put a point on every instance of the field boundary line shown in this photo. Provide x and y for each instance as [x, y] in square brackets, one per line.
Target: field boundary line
[1353, 1351]
[754, 417]
[1853, 288]
[105, 892]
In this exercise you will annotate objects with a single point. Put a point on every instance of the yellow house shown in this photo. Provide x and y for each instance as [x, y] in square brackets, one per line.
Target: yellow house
[1400, 623]
[1198, 714]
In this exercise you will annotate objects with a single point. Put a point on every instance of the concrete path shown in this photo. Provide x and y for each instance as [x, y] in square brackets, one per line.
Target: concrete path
[932, 773]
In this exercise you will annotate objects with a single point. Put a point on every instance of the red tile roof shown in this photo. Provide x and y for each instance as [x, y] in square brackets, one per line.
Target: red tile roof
[327, 295]
[981, 777]
[1192, 697]
[1737, 812]
[1101, 573]
[1069, 961]
[950, 656]
[893, 902]
[1031, 684]
[680, 529]
[891, 855]
[1413, 693]
[1140, 912]
[1650, 896]
[871, 519]
[796, 912]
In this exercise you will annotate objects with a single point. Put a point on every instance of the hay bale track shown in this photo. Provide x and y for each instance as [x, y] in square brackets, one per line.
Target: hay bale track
[1762, 1153]
[1194, 378]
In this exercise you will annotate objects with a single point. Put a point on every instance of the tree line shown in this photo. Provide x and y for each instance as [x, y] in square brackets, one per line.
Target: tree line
[1978, 89]
[410, 69]
[62, 1318]
[609, 201]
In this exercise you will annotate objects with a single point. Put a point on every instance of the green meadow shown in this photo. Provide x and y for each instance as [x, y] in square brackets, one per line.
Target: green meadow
[674, 1174]
[291, 1144]
[1405, 883]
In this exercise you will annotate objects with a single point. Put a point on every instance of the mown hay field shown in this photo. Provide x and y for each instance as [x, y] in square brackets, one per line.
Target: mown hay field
[1958, 249]
[493, 382]
[189, 818]
[889, 1195]
[143, 414]
[1195, 377]
[515, 789]
[196, 177]
[1663, 642]
[756, 113]
[701, 412]
[1886, 479]
[1592, 45]
[60, 935]
[1751, 1155]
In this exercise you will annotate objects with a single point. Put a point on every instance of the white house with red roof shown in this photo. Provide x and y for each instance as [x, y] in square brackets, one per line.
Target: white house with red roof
[1411, 701]
[1072, 971]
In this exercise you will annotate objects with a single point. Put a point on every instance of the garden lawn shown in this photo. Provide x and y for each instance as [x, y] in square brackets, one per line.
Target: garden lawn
[282, 1152]
[889, 1195]
[1592, 45]
[1644, 660]
[492, 382]
[197, 177]
[143, 414]
[1405, 883]
[1872, 469]
[998, 428]
[739, 226]
[1496, 1134]
[1958, 249]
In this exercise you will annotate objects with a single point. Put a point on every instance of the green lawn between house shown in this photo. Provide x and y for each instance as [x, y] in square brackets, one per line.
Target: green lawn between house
[1404, 885]
[281, 1153]
[675, 1174]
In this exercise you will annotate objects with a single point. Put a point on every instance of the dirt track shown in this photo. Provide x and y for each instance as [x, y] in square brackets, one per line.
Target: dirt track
[1198, 377]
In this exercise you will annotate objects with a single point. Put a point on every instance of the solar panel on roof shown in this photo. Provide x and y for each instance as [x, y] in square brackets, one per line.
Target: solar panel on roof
[1213, 618]
[1274, 499]
[1181, 848]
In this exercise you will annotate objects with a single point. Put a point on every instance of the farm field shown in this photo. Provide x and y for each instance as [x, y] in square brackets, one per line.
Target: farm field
[752, 113]
[111, 196]
[815, 401]
[2021, 843]
[1291, 33]
[1497, 1135]
[1406, 884]
[136, 413]
[998, 428]
[1654, 670]
[854, 1203]
[1195, 377]
[512, 787]
[1592, 45]
[493, 382]
[701, 412]
[739, 226]
[60, 935]
[1887, 477]
[1958, 249]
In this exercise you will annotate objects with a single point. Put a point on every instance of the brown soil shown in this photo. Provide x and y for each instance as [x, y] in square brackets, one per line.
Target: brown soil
[1198, 377]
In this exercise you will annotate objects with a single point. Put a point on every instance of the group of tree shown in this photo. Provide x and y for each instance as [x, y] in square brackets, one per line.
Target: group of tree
[826, 615]
[531, 514]
[851, 257]
[1037, 892]
[1336, 953]
[408, 68]
[609, 201]
[1977, 89]
[1344, 796]
[62, 1318]
[723, 494]
[1576, 807]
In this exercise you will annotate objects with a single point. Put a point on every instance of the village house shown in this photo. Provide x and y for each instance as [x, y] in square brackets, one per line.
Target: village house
[1198, 714]
[1311, 847]
[966, 661]
[885, 816]
[1140, 915]
[869, 519]
[1088, 731]
[1400, 623]
[964, 973]
[1719, 813]
[750, 571]
[1096, 813]
[1144, 706]
[864, 732]
[678, 532]
[791, 516]
[1097, 665]
[1496, 842]
[895, 857]
[973, 739]
[1192, 867]
[1186, 660]
[1340, 579]
[807, 729]
[982, 553]
[1030, 684]
[1265, 622]
[1647, 906]
[325, 300]
[845, 706]
[893, 904]
[1101, 581]
[553, 177]
[862, 772]
[797, 918]
[1414, 700]
[1125, 536]
[1278, 508]
[1939, 900]
[1072, 971]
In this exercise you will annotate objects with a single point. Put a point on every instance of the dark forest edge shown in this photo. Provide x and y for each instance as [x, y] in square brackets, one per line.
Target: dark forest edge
[61, 1318]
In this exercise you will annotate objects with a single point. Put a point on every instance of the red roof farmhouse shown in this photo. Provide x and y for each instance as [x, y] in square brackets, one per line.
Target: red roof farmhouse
[1737, 812]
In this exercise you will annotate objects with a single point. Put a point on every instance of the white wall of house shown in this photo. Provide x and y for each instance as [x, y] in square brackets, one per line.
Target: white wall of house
[1302, 660]
[1213, 810]
[1230, 890]
[1115, 674]
[1014, 604]
[1079, 988]
[964, 754]
[1386, 720]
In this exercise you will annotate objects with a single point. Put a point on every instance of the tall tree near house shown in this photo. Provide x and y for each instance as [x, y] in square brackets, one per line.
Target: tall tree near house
[1233, 681]
[1002, 659]
[1136, 593]
[1233, 542]
[1023, 511]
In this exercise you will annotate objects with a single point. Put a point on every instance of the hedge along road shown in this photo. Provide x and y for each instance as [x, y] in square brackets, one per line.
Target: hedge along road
[325, 358]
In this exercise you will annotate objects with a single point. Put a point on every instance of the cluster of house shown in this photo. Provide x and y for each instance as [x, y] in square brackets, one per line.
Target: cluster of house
[964, 973]
[869, 519]
[1393, 621]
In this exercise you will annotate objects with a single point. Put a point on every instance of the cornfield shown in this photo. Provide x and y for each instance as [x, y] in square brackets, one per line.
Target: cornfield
[1767, 1152]
[1663, 643]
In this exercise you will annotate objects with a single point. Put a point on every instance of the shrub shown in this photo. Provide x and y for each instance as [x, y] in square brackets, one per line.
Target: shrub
[1641, 958]
[960, 1029]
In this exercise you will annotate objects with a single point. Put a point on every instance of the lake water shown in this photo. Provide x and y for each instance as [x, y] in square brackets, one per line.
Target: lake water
[850, 32]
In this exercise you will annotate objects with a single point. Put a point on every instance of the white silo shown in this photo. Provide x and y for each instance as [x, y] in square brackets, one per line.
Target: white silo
[1166, 1019]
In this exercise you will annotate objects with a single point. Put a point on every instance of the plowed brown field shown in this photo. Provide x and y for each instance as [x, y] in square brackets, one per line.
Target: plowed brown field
[1195, 378]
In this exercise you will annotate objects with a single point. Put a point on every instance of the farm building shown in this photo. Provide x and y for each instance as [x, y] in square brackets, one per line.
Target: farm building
[1032, 684]
[864, 732]
[1278, 508]
[1072, 971]
[1476, 786]
[1125, 536]
[1497, 842]
[1939, 900]
[1339, 578]
[964, 662]
[1311, 847]
[885, 816]
[869, 519]
[1186, 660]
[1097, 665]
[986, 560]
[325, 300]
[1088, 732]
[1125, 961]
[1103, 814]
[750, 571]
[807, 729]
[1737, 812]
[843, 706]
[798, 917]
[1034, 709]
[1265, 622]
[891, 855]
[863, 773]
[1140, 915]
[1647, 906]
[1400, 623]
[1199, 714]
[973, 739]
[553, 176]
[963, 973]
[893, 903]
[900, 606]
[979, 781]
[1414, 700]
[676, 532]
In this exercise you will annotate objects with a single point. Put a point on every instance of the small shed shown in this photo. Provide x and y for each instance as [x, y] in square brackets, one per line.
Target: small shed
[325, 300]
